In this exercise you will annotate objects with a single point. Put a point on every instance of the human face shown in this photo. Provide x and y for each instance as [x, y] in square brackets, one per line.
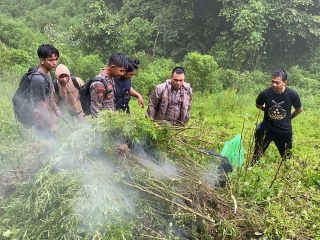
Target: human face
[278, 85]
[117, 72]
[63, 79]
[177, 81]
[49, 63]
[128, 75]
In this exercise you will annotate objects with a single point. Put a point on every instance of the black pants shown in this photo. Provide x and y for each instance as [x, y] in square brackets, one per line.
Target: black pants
[263, 138]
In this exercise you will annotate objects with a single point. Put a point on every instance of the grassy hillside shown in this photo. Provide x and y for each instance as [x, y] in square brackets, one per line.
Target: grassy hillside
[121, 177]
[124, 177]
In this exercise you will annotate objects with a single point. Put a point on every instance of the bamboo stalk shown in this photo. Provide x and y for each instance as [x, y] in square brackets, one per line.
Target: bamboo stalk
[235, 203]
[173, 193]
[170, 201]
[151, 237]
[278, 169]
[198, 150]
[198, 139]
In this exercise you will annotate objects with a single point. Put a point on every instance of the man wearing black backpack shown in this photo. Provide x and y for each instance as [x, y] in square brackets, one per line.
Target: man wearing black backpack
[34, 105]
[102, 92]
[67, 91]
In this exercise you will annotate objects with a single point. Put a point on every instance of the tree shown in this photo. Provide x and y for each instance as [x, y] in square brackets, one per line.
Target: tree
[101, 31]
[181, 26]
[275, 33]
[136, 36]
[202, 72]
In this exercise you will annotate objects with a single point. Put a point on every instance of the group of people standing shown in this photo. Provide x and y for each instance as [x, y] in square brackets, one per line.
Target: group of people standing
[111, 89]
[170, 101]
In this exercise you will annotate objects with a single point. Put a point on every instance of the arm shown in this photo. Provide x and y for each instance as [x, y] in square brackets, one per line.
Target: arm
[189, 106]
[43, 118]
[97, 94]
[260, 101]
[296, 112]
[53, 105]
[153, 104]
[261, 107]
[134, 93]
[296, 103]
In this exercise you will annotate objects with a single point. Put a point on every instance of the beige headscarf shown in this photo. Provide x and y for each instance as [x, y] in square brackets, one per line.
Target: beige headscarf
[69, 97]
[62, 69]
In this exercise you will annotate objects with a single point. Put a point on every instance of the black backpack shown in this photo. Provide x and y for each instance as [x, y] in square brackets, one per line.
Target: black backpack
[74, 81]
[85, 97]
[21, 99]
[122, 96]
[84, 91]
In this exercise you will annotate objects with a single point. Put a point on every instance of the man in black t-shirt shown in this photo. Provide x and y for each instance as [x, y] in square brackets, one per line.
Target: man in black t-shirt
[276, 102]
[122, 96]
[124, 90]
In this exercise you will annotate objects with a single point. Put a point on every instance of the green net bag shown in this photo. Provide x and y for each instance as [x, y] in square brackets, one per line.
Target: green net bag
[233, 150]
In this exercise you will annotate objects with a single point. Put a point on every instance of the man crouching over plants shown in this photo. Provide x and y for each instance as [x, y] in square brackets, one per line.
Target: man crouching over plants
[276, 102]
[171, 100]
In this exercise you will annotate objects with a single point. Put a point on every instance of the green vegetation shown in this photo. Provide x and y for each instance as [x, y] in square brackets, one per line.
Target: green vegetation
[124, 177]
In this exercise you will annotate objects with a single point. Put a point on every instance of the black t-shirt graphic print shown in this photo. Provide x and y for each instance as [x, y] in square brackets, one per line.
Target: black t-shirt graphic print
[277, 112]
[277, 115]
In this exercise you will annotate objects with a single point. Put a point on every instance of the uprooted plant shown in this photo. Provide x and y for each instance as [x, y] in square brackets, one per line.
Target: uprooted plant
[129, 178]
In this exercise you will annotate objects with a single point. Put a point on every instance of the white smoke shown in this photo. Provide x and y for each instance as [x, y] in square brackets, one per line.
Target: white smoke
[158, 168]
[102, 200]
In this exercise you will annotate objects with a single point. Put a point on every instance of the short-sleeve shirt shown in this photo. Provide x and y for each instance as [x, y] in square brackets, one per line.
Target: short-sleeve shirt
[277, 114]
[122, 96]
[40, 88]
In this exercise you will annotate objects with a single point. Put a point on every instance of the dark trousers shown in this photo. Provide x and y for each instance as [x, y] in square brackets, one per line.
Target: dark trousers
[263, 138]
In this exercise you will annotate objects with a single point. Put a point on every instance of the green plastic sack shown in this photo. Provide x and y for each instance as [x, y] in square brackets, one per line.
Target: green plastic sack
[233, 150]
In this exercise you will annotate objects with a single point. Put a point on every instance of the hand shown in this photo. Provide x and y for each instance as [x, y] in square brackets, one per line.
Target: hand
[58, 113]
[140, 101]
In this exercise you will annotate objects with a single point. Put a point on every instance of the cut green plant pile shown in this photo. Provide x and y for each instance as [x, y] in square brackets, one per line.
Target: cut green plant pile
[124, 177]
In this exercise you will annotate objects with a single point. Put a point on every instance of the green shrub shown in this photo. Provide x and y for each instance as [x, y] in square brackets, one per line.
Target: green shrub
[22, 37]
[202, 72]
[303, 79]
[88, 66]
[243, 82]
[155, 73]
[137, 36]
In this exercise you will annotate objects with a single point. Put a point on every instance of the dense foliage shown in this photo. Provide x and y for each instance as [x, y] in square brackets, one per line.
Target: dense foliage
[242, 35]
[228, 49]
